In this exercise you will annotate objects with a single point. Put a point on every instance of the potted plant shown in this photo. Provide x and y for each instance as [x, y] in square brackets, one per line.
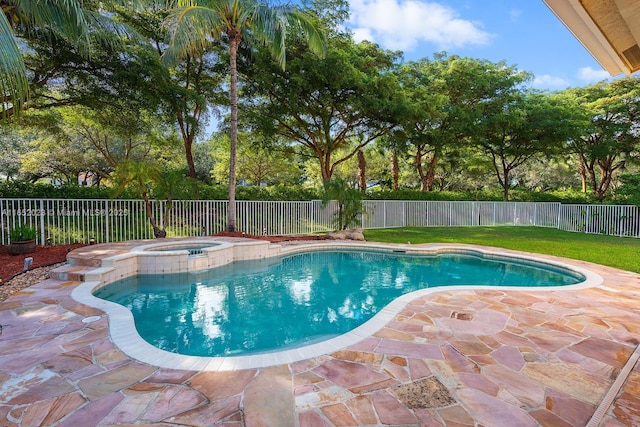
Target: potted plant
[22, 240]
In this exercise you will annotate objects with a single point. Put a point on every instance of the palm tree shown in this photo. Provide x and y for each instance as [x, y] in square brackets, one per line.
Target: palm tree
[153, 182]
[194, 24]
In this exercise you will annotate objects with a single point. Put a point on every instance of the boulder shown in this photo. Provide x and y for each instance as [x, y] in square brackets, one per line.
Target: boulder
[353, 234]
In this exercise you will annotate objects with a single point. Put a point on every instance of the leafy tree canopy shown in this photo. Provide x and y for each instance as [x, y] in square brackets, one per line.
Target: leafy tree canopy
[348, 99]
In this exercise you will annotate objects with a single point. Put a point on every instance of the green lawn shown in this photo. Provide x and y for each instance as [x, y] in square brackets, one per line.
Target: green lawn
[622, 253]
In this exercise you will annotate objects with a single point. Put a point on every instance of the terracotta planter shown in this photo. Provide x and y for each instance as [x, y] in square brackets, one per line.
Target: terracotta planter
[22, 247]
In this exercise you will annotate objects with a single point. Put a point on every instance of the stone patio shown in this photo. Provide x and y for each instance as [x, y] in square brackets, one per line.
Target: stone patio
[454, 358]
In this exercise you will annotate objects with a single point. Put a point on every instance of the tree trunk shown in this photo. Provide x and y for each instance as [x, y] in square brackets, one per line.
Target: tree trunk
[188, 128]
[606, 177]
[234, 41]
[325, 167]
[157, 231]
[421, 174]
[593, 181]
[395, 170]
[188, 151]
[608, 167]
[582, 171]
[362, 171]
[431, 171]
[504, 178]
[505, 185]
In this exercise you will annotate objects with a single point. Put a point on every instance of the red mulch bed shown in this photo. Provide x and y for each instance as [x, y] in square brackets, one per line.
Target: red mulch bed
[46, 255]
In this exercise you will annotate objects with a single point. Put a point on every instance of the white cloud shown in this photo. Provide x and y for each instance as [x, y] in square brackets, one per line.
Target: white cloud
[515, 14]
[547, 81]
[402, 24]
[360, 34]
[590, 75]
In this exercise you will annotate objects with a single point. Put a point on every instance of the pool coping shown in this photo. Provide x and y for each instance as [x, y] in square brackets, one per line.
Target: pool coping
[125, 336]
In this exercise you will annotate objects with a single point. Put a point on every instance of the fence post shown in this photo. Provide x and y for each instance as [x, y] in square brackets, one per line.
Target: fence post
[515, 213]
[586, 220]
[106, 221]
[426, 213]
[42, 236]
[494, 213]
[207, 219]
[312, 216]
[2, 234]
[384, 215]
[473, 214]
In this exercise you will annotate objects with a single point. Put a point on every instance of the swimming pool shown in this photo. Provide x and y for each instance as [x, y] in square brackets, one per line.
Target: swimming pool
[272, 304]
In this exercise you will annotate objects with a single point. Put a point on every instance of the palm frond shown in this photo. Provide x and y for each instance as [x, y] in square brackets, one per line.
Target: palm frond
[140, 4]
[271, 25]
[65, 17]
[109, 33]
[191, 30]
[14, 86]
[305, 24]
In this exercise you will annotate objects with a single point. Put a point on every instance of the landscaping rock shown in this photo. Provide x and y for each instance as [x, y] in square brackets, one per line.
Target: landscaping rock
[353, 234]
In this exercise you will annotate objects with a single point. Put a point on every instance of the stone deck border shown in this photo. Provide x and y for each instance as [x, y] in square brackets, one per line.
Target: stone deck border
[506, 358]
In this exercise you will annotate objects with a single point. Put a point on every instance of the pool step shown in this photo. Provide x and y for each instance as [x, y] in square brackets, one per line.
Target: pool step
[69, 272]
[92, 256]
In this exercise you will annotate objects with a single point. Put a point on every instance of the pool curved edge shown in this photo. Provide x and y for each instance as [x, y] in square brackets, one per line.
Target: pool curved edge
[125, 336]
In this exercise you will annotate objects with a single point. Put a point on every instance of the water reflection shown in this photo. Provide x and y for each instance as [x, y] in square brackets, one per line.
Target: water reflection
[263, 305]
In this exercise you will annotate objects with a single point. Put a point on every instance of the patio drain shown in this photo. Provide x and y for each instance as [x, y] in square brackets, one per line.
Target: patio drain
[426, 393]
[608, 399]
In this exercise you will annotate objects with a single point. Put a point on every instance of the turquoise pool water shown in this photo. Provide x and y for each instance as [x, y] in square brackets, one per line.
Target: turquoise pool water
[273, 304]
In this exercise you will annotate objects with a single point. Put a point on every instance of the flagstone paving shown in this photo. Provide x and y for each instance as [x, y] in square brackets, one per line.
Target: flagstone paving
[454, 358]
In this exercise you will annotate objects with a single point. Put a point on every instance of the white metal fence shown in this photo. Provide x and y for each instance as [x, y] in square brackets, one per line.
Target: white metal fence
[391, 213]
[613, 220]
[60, 221]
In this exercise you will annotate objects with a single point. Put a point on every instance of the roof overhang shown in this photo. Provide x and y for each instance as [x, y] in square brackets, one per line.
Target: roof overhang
[608, 29]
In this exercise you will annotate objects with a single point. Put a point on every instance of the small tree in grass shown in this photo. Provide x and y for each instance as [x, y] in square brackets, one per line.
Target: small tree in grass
[349, 202]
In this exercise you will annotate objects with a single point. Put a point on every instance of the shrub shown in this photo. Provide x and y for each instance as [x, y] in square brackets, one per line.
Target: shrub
[517, 195]
[25, 189]
[274, 192]
[21, 233]
[629, 191]
[349, 202]
[483, 195]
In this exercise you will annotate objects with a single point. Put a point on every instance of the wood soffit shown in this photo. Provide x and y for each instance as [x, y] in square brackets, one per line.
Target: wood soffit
[608, 29]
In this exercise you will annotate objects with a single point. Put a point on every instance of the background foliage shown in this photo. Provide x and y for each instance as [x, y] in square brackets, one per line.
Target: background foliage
[441, 128]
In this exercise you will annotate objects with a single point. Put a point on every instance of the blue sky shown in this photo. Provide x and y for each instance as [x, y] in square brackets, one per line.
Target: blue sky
[524, 33]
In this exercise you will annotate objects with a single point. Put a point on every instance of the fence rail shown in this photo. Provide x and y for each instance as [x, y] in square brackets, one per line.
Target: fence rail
[62, 221]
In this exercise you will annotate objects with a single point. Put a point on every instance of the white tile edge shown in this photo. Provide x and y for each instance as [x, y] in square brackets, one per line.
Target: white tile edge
[125, 336]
